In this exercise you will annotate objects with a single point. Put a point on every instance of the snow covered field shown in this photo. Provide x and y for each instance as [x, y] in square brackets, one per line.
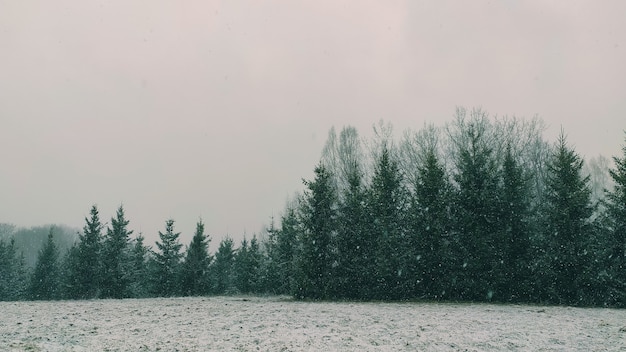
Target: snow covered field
[280, 324]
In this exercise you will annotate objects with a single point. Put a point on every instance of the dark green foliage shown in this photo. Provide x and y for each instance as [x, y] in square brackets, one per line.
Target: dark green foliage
[247, 266]
[222, 268]
[13, 273]
[85, 265]
[616, 241]
[139, 276]
[355, 244]
[386, 205]
[278, 266]
[116, 259]
[513, 282]
[477, 210]
[167, 262]
[314, 262]
[69, 270]
[195, 268]
[568, 228]
[44, 282]
[429, 222]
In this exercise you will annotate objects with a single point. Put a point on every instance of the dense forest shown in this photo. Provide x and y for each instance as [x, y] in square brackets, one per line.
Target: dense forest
[480, 209]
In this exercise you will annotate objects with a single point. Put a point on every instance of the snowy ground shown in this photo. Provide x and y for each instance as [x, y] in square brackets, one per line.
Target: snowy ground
[279, 324]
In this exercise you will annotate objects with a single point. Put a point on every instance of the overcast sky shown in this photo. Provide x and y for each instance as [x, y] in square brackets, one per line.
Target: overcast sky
[218, 109]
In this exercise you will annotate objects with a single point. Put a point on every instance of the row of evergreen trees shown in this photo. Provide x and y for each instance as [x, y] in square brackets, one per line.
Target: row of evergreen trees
[109, 263]
[479, 210]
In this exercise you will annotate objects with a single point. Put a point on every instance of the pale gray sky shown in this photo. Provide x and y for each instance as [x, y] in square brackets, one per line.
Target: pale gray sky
[217, 109]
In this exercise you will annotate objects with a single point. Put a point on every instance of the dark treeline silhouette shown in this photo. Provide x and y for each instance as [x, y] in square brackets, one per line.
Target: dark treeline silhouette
[109, 263]
[481, 209]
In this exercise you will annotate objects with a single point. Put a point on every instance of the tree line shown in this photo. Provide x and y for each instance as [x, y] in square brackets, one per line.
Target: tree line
[480, 209]
[110, 263]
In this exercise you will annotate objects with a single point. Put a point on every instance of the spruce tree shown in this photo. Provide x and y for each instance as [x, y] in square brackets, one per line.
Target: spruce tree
[256, 259]
[568, 228]
[429, 250]
[241, 268]
[140, 283]
[278, 268]
[315, 258]
[6, 270]
[88, 264]
[355, 245]
[616, 243]
[476, 213]
[44, 282]
[116, 261]
[514, 282]
[269, 268]
[386, 206]
[13, 272]
[194, 273]
[167, 261]
[69, 274]
[247, 266]
[222, 268]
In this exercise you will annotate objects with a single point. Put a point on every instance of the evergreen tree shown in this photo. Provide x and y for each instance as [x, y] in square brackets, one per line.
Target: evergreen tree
[167, 261]
[477, 212]
[69, 274]
[13, 273]
[139, 286]
[568, 226]
[515, 280]
[255, 265]
[269, 268]
[222, 268]
[247, 266]
[386, 205]
[241, 268]
[616, 243]
[278, 268]
[6, 270]
[194, 273]
[87, 266]
[355, 246]
[44, 283]
[315, 258]
[429, 249]
[116, 261]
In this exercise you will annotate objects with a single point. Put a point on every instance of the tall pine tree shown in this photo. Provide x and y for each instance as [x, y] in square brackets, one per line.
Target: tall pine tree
[476, 211]
[44, 283]
[13, 272]
[616, 211]
[247, 266]
[429, 250]
[194, 272]
[222, 268]
[140, 281]
[355, 244]
[568, 228]
[116, 259]
[315, 257]
[167, 261]
[514, 280]
[387, 203]
[280, 247]
[88, 263]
